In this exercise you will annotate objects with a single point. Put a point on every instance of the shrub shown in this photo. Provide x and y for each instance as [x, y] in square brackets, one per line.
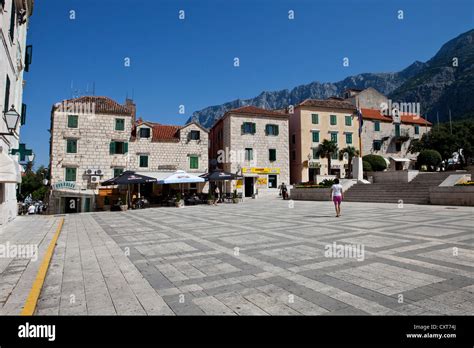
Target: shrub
[429, 158]
[377, 163]
[366, 166]
[327, 183]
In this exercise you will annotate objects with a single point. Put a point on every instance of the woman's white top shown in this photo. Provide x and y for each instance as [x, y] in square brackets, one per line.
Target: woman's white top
[336, 190]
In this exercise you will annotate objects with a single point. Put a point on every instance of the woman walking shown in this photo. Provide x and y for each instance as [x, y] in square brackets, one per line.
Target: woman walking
[337, 196]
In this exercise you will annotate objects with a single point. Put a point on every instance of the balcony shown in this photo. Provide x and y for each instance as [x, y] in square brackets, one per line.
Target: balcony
[402, 135]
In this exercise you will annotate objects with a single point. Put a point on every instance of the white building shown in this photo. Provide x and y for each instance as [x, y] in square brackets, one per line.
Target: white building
[15, 58]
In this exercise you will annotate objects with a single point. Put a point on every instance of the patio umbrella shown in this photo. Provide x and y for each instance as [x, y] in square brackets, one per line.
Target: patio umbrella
[181, 177]
[128, 178]
[219, 175]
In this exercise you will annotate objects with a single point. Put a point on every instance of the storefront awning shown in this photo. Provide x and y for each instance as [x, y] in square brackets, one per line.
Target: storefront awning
[9, 169]
[400, 159]
[163, 174]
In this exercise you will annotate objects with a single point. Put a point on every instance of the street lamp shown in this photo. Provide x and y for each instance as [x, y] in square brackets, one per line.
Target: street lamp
[11, 118]
[31, 157]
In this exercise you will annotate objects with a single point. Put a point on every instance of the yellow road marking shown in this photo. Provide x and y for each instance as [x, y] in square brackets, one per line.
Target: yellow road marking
[32, 300]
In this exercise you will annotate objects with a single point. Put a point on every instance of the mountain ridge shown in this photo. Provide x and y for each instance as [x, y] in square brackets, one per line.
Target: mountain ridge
[436, 84]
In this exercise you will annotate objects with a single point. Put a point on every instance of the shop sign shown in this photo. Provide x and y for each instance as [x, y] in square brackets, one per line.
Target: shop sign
[262, 181]
[260, 170]
[314, 165]
[239, 184]
[65, 185]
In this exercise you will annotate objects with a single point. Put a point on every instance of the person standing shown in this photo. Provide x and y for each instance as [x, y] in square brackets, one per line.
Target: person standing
[337, 196]
[217, 194]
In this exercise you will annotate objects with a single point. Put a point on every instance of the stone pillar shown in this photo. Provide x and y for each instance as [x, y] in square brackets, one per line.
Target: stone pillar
[357, 168]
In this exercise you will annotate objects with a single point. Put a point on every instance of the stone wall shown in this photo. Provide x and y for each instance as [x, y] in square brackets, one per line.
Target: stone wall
[169, 153]
[260, 143]
[94, 134]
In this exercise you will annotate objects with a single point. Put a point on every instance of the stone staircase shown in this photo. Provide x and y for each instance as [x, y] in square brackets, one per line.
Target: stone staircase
[414, 192]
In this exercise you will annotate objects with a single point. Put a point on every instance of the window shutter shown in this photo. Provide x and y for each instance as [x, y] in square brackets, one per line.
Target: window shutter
[28, 57]
[112, 147]
[267, 129]
[125, 147]
[23, 114]
[242, 128]
[253, 128]
[277, 130]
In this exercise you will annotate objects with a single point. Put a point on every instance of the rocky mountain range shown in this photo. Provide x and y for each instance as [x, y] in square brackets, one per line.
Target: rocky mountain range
[445, 82]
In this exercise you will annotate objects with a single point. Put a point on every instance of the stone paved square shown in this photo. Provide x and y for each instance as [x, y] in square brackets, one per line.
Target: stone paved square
[258, 257]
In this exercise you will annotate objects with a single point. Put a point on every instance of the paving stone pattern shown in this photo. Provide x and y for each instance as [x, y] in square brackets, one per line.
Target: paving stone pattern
[261, 257]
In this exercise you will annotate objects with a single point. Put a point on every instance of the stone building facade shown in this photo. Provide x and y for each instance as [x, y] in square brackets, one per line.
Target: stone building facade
[387, 132]
[312, 122]
[15, 58]
[252, 142]
[95, 138]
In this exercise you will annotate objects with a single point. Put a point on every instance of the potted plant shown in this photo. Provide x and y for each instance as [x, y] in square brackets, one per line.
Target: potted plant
[235, 198]
[107, 205]
[179, 201]
[210, 201]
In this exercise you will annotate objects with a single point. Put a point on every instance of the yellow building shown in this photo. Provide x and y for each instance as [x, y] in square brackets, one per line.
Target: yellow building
[312, 121]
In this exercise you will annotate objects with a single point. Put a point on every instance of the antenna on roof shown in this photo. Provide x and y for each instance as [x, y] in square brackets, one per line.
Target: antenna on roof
[133, 93]
[93, 88]
[72, 88]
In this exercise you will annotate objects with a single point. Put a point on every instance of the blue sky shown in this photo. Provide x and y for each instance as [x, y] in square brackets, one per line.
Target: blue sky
[190, 61]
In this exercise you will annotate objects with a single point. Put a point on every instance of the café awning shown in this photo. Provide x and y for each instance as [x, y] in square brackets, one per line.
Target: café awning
[9, 169]
[400, 159]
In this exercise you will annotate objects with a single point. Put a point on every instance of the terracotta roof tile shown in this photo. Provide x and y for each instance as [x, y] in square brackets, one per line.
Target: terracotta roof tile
[375, 114]
[161, 132]
[415, 119]
[102, 105]
[249, 109]
[328, 103]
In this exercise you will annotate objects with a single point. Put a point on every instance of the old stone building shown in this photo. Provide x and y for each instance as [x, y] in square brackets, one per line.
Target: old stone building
[312, 122]
[95, 138]
[158, 150]
[15, 58]
[252, 142]
[389, 127]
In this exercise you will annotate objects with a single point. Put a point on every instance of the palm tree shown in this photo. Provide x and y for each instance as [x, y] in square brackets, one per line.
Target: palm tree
[351, 153]
[326, 149]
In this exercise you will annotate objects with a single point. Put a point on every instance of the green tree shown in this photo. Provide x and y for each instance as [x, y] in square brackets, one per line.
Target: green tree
[326, 149]
[377, 163]
[32, 183]
[351, 153]
[430, 158]
[446, 139]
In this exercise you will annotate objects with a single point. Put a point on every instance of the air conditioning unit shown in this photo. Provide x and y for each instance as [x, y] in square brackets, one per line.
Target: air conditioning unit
[95, 179]
[89, 171]
[98, 172]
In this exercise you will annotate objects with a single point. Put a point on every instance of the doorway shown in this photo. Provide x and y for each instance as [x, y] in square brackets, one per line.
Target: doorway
[249, 186]
[272, 181]
[312, 172]
[87, 205]
[72, 205]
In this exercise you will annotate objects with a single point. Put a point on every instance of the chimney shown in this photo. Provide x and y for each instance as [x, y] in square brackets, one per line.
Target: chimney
[130, 105]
